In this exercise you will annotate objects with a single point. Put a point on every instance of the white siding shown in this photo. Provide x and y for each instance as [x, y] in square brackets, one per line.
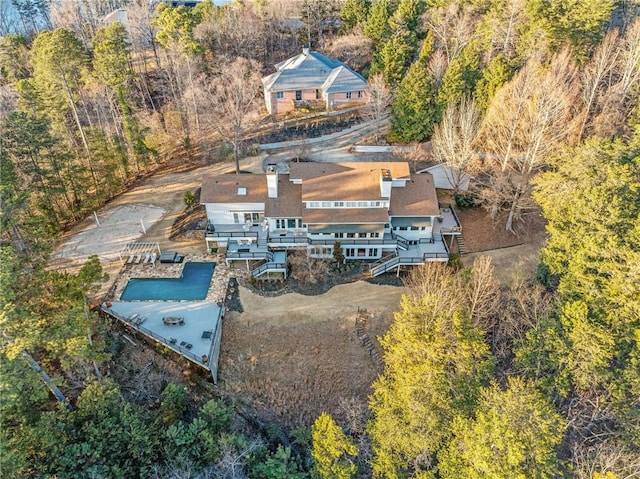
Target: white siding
[222, 213]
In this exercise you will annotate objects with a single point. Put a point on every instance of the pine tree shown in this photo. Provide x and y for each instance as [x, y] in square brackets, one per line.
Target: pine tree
[513, 434]
[332, 450]
[415, 109]
[354, 12]
[377, 26]
[435, 363]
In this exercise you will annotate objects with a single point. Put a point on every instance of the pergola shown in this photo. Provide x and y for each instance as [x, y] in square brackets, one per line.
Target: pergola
[131, 249]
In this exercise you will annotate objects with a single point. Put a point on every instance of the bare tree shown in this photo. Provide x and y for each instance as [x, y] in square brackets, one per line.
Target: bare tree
[437, 67]
[594, 76]
[527, 120]
[232, 95]
[454, 138]
[353, 49]
[378, 106]
[453, 27]
[620, 98]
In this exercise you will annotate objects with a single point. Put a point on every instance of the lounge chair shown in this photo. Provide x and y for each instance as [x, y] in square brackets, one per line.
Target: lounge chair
[146, 259]
[153, 257]
[138, 258]
[131, 258]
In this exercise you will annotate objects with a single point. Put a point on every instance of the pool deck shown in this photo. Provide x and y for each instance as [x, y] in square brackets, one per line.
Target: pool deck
[199, 316]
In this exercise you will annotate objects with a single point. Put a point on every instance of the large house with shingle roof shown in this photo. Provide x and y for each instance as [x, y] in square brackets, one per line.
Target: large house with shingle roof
[312, 79]
[377, 211]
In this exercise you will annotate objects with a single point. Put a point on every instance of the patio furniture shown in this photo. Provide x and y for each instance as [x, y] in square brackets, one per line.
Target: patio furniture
[183, 343]
[139, 320]
[172, 340]
[173, 320]
[188, 345]
[133, 317]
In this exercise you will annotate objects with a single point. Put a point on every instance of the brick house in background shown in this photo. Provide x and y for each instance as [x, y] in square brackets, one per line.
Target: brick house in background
[312, 79]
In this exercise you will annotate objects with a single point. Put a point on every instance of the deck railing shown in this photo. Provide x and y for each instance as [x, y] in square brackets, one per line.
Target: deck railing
[268, 267]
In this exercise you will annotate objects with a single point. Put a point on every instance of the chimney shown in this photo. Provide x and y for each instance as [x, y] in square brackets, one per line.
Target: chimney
[272, 180]
[385, 183]
[305, 50]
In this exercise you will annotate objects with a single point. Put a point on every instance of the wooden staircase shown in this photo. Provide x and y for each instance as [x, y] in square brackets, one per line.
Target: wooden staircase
[461, 248]
[361, 321]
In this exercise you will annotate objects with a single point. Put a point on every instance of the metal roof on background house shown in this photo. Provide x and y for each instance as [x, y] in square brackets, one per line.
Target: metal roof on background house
[313, 70]
[343, 79]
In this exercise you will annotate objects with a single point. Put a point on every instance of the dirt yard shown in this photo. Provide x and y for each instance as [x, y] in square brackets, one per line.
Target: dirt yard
[292, 357]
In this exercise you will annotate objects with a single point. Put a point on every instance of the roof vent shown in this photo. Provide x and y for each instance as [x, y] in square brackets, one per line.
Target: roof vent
[242, 191]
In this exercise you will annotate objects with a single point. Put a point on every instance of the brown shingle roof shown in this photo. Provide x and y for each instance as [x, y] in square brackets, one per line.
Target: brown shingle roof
[288, 204]
[417, 198]
[344, 215]
[224, 189]
[344, 181]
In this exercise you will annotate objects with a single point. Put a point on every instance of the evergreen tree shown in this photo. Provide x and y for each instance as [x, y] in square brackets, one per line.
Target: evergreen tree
[513, 434]
[112, 65]
[435, 363]
[592, 204]
[394, 56]
[332, 450]
[415, 109]
[496, 74]
[407, 16]
[377, 27]
[354, 12]
[461, 76]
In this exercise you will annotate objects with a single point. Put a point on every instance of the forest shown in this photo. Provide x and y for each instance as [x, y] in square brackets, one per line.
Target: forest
[538, 99]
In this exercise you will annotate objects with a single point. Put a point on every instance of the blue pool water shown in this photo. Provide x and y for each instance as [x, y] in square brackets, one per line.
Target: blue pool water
[193, 285]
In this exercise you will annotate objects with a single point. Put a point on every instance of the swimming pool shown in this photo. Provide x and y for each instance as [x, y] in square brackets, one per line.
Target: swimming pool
[192, 285]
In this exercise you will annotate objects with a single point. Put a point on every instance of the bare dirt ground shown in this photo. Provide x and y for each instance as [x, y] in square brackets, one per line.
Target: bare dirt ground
[292, 357]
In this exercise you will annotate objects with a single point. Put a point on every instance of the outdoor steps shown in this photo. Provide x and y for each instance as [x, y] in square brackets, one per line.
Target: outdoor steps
[461, 249]
[361, 321]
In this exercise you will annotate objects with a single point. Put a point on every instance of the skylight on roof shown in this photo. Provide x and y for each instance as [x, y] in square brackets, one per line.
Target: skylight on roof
[242, 191]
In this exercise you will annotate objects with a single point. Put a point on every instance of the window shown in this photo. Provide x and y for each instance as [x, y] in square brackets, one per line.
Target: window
[291, 223]
[318, 95]
[279, 95]
[351, 204]
[252, 218]
[298, 95]
[351, 235]
[359, 94]
[326, 204]
[362, 252]
[375, 204]
[338, 204]
[373, 252]
[236, 218]
[350, 252]
[414, 228]
[348, 95]
[363, 204]
[314, 204]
